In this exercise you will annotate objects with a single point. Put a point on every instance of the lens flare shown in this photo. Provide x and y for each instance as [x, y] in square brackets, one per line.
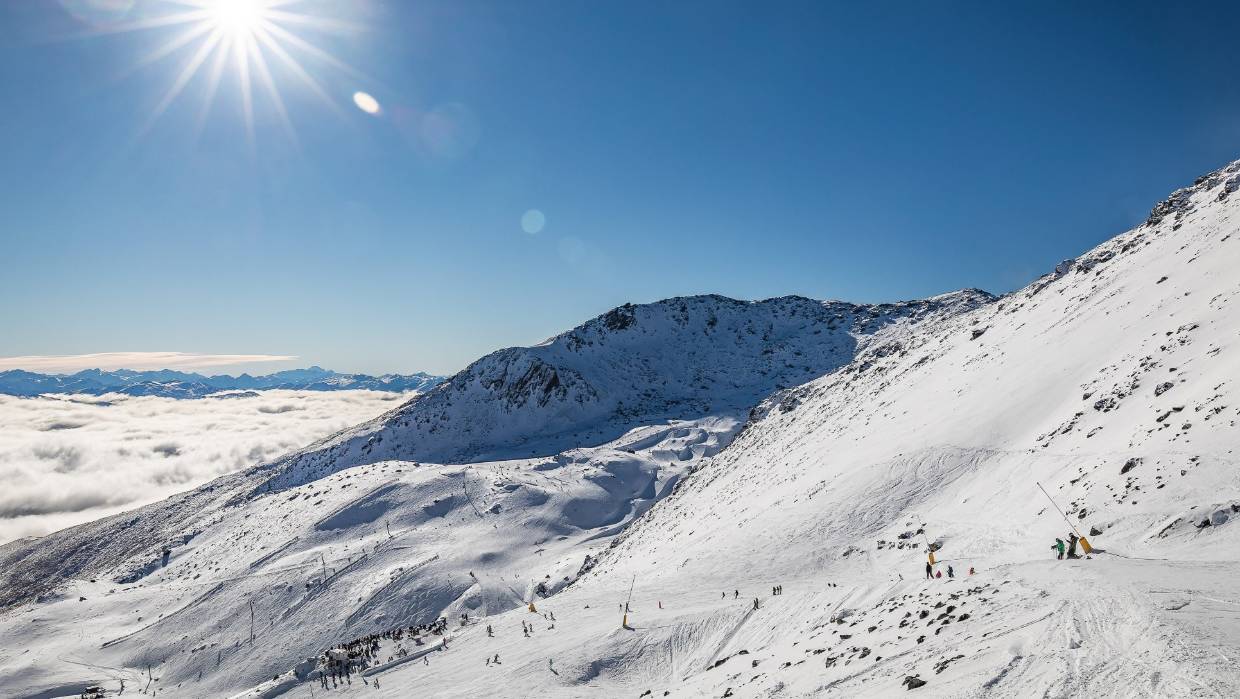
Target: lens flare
[366, 103]
[532, 221]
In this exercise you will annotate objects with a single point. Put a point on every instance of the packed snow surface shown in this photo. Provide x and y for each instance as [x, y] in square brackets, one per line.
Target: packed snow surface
[693, 458]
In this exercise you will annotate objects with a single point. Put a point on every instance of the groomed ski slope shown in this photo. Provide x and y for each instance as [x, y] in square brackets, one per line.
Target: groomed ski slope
[1110, 381]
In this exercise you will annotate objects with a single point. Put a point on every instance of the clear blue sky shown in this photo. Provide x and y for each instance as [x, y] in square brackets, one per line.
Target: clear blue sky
[860, 151]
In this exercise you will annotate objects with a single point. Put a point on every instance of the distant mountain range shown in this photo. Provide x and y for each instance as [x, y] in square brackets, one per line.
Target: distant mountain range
[168, 383]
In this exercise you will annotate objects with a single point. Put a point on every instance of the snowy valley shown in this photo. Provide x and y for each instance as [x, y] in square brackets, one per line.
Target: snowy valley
[684, 458]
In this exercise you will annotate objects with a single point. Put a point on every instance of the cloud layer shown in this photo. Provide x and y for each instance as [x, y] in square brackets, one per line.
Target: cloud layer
[138, 361]
[70, 459]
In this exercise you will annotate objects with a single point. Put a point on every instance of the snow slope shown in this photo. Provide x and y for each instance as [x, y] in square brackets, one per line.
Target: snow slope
[1110, 381]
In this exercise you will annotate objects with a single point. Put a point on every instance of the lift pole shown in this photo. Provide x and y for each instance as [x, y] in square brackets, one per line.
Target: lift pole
[1084, 542]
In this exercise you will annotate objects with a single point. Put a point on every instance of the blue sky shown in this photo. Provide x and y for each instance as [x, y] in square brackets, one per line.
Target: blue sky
[861, 151]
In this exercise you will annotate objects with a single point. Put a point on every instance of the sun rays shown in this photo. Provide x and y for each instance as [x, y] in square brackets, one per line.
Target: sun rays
[253, 44]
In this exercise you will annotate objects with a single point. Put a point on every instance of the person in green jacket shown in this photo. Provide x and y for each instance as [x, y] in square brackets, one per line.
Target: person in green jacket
[1058, 546]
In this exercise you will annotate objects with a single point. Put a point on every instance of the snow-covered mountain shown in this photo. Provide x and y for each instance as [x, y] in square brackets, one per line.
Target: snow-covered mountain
[688, 456]
[169, 383]
[681, 358]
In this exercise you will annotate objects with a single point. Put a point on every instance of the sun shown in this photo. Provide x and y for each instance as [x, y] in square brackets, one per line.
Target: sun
[236, 18]
[257, 42]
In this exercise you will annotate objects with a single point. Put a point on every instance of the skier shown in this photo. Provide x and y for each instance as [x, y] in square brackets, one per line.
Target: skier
[938, 574]
[1058, 546]
[951, 573]
[929, 571]
[496, 660]
[490, 634]
[736, 594]
[755, 602]
[971, 570]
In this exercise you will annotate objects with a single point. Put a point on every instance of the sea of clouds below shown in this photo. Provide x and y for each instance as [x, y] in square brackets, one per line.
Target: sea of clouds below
[65, 460]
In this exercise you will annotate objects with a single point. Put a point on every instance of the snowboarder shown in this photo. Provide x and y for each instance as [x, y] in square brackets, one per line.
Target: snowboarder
[1058, 546]
[951, 572]
[755, 602]
[1072, 539]
[736, 594]
[929, 571]
[490, 633]
[938, 574]
[971, 570]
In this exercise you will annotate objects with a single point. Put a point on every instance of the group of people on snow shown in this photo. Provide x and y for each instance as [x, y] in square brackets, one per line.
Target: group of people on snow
[338, 664]
[1058, 546]
[931, 573]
